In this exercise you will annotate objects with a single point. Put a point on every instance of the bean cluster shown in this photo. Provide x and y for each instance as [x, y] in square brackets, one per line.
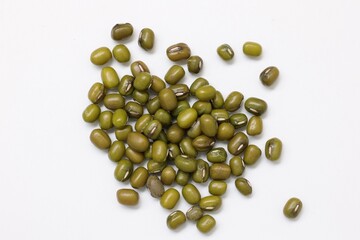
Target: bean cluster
[162, 147]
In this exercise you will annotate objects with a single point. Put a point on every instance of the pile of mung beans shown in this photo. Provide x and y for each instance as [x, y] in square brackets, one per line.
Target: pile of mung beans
[162, 148]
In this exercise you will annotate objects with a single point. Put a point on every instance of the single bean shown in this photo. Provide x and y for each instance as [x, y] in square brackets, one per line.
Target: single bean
[100, 139]
[269, 75]
[126, 85]
[201, 173]
[146, 39]
[142, 81]
[170, 198]
[134, 109]
[109, 77]
[194, 64]
[128, 197]
[121, 53]
[292, 207]
[139, 177]
[220, 171]
[97, 92]
[254, 126]
[105, 120]
[243, 185]
[121, 31]
[100, 56]
[122, 133]
[203, 143]
[155, 186]
[138, 67]
[252, 49]
[216, 155]
[168, 175]
[237, 166]
[210, 203]
[208, 125]
[116, 151]
[233, 101]
[191, 194]
[91, 113]
[138, 141]
[225, 131]
[251, 154]
[194, 213]
[177, 52]
[217, 188]
[238, 143]
[114, 101]
[273, 149]
[168, 100]
[159, 151]
[225, 52]
[119, 118]
[134, 156]
[185, 163]
[255, 106]
[175, 219]
[174, 74]
[186, 118]
[206, 223]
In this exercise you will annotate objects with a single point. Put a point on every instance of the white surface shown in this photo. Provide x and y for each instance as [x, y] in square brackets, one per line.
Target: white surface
[55, 185]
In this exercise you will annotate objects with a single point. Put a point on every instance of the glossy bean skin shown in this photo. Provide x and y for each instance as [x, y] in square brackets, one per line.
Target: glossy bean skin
[100, 139]
[187, 148]
[238, 120]
[100, 56]
[255, 106]
[225, 52]
[182, 178]
[186, 118]
[168, 100]
[138, 67]
[221, 115]
[121, 31]
[142, 81]
[199, 82]
[168, 175]
[175, 133]
[123, 170]
[208, 125]
[273, 149]
[181, 105]
[191, 194]
[225, 131]
[251, 154]
[205, 93]
[134, 109]
[142, 122]
[185, 163]
[203, 143]
[174, 74]
[243, 186]
[139, 177]
[237, 166]
[122, 133]
[233, 101]
[155, 167]
[138, 141]
[177, 52]
[292, 207]
[146, 39]
[194, 213]
[114, 101]
[210, 203]
[216, 155]
[175, 219]
[181, 91]
[116, 151]
[220, 171]
[170, 198]
[153, 105]
[128, 197]
[269, 75]
[126, 85]
[157, 84]
[206, 223]
[159, 151]
[121, 53]
[119, 118]
[105, 120]
[238, 143]
[91, 113]
[194, 64]
[255, 126]
[141, 97]
[134, 156]
[217, 188]
[97, 92]
[202, 171]
[252, 49]
[218, 101]
[202, 107]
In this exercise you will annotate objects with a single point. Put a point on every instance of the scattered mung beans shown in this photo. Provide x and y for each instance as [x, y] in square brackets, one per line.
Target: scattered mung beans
[169, 133]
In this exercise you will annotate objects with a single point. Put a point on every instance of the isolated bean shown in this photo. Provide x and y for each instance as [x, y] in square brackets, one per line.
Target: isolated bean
[146, 39]
[225, 52]
[121, 31]
[269, 75]
[243, 186]
[128, 197]
[273, 149]
[252, 49]
[292, 207]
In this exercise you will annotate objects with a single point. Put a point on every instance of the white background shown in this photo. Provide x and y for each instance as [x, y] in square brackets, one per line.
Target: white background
[55, 185]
